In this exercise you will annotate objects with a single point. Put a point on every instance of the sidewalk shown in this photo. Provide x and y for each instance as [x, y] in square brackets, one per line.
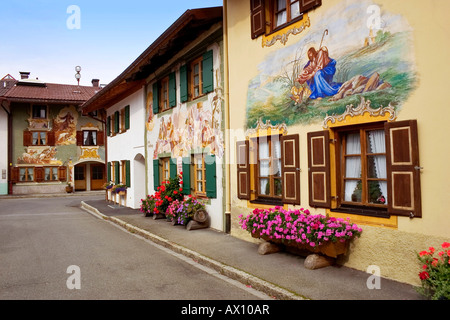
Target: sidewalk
[280, 275]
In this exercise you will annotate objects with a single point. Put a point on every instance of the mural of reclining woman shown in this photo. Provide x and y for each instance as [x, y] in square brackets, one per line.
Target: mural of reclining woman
[318, 73]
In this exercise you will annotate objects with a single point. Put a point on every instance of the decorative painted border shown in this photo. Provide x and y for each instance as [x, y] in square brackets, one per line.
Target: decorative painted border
[268, 41]
[281, 128]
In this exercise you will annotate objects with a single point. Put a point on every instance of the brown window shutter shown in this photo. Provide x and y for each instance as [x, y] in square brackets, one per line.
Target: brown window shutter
[14, 174]
[258, 20]
[51, 138]
[307, 5]
[319, 169]
[27, 138]
[403, 168]
[243, 170]
[100, 138]
[79, 138]
[290, 169]
[38, 174]
[62, 173]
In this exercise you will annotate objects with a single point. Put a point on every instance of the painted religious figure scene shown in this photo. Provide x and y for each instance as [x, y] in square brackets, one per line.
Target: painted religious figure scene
[337, 62]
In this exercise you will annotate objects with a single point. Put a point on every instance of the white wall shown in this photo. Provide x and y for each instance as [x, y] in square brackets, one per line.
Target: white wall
[3, 152]
[130, 144]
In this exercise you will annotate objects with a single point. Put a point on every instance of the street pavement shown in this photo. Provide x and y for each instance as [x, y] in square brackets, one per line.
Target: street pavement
[281, 275]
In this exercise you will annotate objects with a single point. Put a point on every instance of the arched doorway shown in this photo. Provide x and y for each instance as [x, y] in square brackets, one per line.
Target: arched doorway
[89, 175]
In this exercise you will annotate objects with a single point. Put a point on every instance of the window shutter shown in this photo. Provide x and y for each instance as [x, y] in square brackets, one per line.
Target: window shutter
[307, 5]
[290, 169]
[100, 138]
[127, 173]
[14, 175]
[156, 173]
[210, 172]
[51, 138]
[172, 90]
[62, 173]
[155, 98]
[79, 138]
[183, 83]
[243, 170]
[403, 168]
[319, 169]
[116, 121]
[108, 172]
[127, 117]
[117, 171]
[38, 174]
[258, 20]
[173, 168]
[186, 175]
[108, 126]
[27, 138]
[207, 72]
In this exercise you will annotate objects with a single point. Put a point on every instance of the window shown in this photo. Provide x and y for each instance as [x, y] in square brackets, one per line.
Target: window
[51, 174]
[269, 167]
[280, 13]
[125, 172]
[39, 112]
[363, 163]
[39, 138]
[164, 94]
[165, 169]
[273, 162]
[377, 169]
[97, 172]
[199, 175]
[89, 138]
[26, 174]
[196, 78]
[79, 172]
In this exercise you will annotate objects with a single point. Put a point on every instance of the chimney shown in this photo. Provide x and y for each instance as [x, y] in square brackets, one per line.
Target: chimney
[95, 83]
[24, 75]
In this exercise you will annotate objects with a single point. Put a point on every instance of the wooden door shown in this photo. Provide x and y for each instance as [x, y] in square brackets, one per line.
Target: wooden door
[80, 177]
[97, 176]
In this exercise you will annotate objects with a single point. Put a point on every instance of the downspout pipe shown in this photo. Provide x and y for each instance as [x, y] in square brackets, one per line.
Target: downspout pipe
[227, 216]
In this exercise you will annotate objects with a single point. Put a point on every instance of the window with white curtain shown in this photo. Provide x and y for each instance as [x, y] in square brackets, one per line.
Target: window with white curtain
[364, 180]
[269, 166]
[89, 138]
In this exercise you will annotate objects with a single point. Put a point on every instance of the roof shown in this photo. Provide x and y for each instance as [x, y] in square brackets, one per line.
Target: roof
[32, 91]
[183, 31]
[6, 83]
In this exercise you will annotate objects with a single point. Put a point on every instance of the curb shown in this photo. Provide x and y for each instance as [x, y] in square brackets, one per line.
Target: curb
[228, 271]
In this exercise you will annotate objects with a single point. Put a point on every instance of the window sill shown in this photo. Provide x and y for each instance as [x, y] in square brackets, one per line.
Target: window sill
[270, 202]
[363, 211]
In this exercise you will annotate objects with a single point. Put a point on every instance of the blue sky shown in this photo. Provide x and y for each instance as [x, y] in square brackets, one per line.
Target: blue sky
[35, 36]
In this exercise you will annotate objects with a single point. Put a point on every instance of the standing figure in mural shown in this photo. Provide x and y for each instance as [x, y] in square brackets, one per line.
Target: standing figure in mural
[318, 73]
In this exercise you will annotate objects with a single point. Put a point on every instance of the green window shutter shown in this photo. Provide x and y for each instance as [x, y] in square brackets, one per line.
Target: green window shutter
[108, 126]
[172, 90]
[117, 171]
[210, 172]
[155, 98]
[207, 72]
[116, 121]
[108, 172]
[186, 175]
[183, 83]
[173, 168]
[127, 117]
[156, 173]
[127, 173]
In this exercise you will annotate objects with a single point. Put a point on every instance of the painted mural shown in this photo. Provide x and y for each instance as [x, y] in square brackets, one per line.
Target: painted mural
[65, 126]
[348, 55]
[198, 126]
[39, 155]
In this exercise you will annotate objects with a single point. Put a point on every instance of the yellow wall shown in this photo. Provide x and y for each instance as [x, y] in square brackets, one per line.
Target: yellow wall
[388, 243]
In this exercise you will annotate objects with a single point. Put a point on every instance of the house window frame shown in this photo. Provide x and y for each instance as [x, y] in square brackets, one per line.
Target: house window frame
[363, 207]
[26, 174]
[53, 173]
[287, 9]
[39, 138]
[165, 169]
[96, 138]
[163, 89]
[192, 86]
[257, 167]
[41, 108]
[202, 171]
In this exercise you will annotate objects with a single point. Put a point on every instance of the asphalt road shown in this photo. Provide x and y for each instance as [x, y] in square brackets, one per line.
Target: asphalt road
[51, 249]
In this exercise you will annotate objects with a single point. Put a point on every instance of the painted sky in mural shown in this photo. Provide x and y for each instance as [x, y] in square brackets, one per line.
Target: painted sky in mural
[341, 58]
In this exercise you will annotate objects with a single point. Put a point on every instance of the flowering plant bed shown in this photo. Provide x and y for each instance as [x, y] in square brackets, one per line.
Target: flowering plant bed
[185, 211]
[167, 192]
[435, 277]
[298, 228]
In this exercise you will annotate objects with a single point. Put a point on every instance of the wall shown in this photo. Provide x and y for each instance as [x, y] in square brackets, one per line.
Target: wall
[3, 152]
[129, 145]
[406, 54]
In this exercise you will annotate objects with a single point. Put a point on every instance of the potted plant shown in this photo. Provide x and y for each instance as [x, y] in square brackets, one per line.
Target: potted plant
[119, 189]
[69, 187]
[167, 192]
[435, 274]
[298, 228]
[148, 205]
